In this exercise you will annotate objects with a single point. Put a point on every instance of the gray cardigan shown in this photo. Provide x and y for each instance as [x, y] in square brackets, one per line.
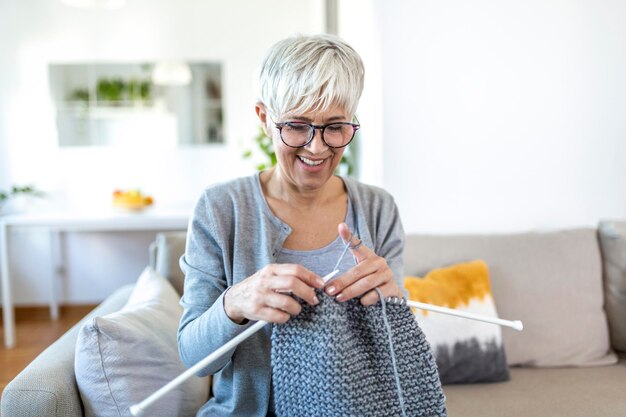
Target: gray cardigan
[232, 234]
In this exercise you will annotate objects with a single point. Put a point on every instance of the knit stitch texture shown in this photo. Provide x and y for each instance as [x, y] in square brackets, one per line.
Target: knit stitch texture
[333, 359]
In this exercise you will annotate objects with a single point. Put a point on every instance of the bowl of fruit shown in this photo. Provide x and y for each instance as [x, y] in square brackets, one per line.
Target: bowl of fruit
[133, 200]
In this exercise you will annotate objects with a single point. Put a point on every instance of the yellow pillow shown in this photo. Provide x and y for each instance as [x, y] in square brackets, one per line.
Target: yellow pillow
[466, 350]
[451, 287]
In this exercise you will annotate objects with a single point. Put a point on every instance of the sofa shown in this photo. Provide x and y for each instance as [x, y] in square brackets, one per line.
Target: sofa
[567, 286]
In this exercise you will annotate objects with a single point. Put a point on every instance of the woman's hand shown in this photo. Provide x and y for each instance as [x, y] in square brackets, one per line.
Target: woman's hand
[370, 272]
[267, 295]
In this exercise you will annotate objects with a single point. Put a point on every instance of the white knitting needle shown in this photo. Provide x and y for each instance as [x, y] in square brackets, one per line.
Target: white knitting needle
[515, 324]
[140, 408]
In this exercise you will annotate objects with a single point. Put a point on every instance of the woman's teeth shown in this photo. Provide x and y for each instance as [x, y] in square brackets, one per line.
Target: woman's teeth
[310, 161]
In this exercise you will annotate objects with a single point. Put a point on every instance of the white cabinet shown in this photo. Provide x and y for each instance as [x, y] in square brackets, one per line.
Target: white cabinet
[104, 104]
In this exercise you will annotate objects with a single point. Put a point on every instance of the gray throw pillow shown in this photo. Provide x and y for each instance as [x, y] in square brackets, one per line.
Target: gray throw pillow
[123, 357]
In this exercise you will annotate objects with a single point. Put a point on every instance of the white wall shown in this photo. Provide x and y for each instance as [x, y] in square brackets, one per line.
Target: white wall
[360, 27]
[479, 116]
[504, 115]
[38, 32]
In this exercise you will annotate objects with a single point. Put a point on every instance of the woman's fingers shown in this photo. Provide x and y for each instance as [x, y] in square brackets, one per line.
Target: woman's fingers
[362, 286]
[356, 273]
[269, 293]
[357, 248]
[273, 315]
[370, 272]
[371, 297]
[295, 279]
[298, 271]
[288, 284]
[283, 302]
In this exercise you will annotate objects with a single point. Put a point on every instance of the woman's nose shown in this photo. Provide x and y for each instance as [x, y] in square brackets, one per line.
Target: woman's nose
[317, 145]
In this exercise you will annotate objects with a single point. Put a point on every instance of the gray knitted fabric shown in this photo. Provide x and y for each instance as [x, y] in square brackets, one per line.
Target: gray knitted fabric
[334, 359]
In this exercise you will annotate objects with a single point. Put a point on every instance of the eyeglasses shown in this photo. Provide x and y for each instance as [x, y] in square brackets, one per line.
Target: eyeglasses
[300, 134]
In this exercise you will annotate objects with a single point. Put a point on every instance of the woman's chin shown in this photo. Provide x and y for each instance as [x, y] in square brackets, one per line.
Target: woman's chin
[318, 174]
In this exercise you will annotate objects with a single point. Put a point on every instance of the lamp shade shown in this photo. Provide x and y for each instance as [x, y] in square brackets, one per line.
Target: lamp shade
[95, 4]
[171, 73]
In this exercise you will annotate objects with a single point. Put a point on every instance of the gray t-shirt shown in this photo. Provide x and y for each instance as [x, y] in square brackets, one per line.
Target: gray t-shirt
[322, 260]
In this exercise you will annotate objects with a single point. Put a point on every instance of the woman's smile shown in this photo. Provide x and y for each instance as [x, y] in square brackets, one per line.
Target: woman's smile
[312, 164]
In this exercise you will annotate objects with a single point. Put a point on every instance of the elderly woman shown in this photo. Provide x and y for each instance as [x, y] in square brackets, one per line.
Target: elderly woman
[258, 244]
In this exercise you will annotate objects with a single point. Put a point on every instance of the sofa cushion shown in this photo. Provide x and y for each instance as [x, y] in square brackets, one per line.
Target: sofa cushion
[612, 237]
[552, 281]
[466, 350]
[547, 392]
[123, 357]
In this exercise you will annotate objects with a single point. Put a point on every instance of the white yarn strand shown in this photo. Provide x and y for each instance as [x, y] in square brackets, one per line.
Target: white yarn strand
[392, 352]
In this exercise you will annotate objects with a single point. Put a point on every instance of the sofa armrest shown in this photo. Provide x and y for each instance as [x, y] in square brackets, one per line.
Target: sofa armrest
[47, 386]
[152, 255]
[167, 250]
[612, 237]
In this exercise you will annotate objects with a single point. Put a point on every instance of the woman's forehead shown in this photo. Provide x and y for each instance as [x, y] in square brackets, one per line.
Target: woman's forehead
[333, 112]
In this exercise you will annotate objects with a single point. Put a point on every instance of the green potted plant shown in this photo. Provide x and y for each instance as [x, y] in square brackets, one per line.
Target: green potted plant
[14, 195]
[111, 91]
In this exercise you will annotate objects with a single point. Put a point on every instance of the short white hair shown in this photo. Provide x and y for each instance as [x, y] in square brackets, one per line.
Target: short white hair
[310, 73]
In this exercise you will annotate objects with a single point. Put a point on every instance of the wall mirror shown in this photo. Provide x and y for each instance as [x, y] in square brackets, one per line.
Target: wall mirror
[141, 103]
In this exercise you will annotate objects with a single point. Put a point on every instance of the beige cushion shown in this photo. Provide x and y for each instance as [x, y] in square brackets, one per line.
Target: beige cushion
[123, 357]
[548, 392]
[550, 281]
[612, 237]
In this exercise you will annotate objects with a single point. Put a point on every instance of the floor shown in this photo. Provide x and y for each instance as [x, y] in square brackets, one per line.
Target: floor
[35, 332]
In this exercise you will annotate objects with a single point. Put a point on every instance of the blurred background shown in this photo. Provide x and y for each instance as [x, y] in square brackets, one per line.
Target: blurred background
[478, 116]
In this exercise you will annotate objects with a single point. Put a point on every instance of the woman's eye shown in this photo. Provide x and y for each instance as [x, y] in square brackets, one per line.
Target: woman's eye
[298, 127]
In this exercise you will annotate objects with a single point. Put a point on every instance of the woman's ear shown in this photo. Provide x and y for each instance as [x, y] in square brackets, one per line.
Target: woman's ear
[261, 111]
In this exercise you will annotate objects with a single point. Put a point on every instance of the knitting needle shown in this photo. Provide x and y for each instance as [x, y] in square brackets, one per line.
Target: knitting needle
[328, 277]
[139, 409]
[515, 324]
[342, 255]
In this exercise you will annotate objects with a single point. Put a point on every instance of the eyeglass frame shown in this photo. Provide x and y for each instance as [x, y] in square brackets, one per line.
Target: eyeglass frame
[313, 128]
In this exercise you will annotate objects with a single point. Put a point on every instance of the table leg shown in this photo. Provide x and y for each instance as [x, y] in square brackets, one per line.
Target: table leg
[55, 260]
[8, 315]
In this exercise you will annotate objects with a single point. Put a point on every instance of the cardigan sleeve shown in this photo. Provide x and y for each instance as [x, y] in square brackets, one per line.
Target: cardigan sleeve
[204, 326]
